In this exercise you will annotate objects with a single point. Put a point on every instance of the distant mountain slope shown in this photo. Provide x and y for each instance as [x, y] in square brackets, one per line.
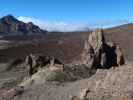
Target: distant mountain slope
[66, 46]
[122, 35]
[9, 25]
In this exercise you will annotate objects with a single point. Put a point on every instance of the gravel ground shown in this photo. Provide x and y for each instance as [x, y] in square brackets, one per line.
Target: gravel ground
[112, 84]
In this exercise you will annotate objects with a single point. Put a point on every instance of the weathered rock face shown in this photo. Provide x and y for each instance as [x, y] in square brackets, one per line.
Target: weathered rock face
[35, 62]
[88, 55]
[120, 56]
[109, 84]
[98, 53]
[96, 39]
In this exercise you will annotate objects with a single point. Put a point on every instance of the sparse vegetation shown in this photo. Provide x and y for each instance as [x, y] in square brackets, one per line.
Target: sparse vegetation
[57, 76]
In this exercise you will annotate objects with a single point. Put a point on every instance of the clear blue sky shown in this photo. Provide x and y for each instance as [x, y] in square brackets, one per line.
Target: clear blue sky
[70, 10]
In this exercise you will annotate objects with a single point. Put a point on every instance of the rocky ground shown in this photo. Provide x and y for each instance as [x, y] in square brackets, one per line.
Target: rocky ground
[101, 74]
[111, 84]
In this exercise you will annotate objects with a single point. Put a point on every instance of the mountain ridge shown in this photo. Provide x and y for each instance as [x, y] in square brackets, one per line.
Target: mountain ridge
[9, 25]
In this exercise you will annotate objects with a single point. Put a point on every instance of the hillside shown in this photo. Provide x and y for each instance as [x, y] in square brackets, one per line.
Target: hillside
[122, 35]
[103, 79]
[112, 84]
[65, 46]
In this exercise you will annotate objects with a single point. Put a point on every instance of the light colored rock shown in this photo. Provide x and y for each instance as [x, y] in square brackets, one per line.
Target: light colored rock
[87, 56]
[120, 56]
[98, 53]
[96, 39]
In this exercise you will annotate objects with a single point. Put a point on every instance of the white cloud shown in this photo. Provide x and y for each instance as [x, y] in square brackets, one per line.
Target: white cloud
[67, 27]
[56, 26]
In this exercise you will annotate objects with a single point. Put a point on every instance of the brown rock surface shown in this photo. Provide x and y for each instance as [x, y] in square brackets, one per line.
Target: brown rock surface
[98, 53]
[96, 39]
[112, 84]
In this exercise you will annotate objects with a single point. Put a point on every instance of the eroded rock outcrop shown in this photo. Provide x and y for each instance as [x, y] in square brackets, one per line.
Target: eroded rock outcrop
[109, 84]
[35, 62]
[98, 53]
[120, 56]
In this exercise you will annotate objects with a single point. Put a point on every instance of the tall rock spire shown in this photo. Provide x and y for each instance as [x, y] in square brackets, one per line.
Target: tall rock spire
[97, 53]
[96, 39]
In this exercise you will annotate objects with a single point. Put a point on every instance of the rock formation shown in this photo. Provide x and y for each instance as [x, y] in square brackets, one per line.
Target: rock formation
[111, 84]
[88, 55]
[98, 53]
[120, 56]
[35, 62]
[96, 39]
[29, 62]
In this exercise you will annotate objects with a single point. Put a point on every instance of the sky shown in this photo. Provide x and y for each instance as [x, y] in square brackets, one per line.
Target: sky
[70, 15]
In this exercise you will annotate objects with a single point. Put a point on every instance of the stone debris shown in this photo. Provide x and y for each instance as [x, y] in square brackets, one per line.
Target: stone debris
[10, 94]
